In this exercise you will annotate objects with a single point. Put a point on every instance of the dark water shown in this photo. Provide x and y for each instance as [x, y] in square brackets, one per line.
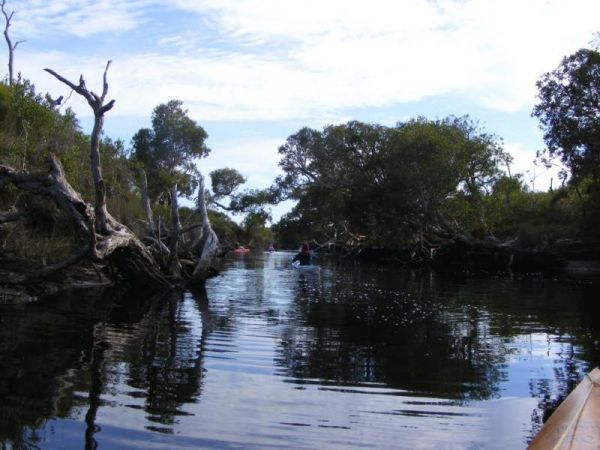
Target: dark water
[272, 357]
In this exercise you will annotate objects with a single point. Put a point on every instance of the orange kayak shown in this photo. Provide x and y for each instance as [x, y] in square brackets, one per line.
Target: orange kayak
[576, 422]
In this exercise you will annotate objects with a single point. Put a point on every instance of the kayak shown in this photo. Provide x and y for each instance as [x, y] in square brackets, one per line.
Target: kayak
[296, 265]
[241, 250]
[576, 422]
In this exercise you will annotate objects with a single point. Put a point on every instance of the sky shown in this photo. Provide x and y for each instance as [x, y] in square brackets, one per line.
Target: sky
[253, 72]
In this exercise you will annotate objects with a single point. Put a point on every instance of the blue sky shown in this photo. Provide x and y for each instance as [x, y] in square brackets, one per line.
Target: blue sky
[252, 72]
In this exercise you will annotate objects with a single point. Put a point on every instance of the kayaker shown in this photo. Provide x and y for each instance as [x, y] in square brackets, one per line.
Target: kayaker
[305, 255]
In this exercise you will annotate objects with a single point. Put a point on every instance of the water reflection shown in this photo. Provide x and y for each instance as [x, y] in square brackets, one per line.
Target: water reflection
[44, 347]
[360, 332]
[269, 356]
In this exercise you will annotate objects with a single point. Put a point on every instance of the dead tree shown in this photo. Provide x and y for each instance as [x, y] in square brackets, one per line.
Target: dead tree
[151, 229]
[116, 242]
[55, 186]
[11, 47]
[173, 266]
[153, 234]
[121, 248]
[209, 241]
[104, 222]
[9, 216]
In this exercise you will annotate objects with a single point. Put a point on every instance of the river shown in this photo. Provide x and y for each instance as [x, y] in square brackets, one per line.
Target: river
[268, 356]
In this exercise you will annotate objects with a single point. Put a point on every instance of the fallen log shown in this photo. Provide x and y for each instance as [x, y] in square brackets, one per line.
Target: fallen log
[119, 247]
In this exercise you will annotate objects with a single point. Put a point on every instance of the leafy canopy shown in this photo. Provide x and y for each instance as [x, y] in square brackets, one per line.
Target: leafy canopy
[168, 151]
[569, 112]
[387, 183]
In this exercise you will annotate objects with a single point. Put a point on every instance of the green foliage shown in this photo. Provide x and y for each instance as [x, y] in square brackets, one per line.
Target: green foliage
[123, 200]
[168, 151]
[29, 128]
[5, 100]
[292, 229]
[569, 112]
[385, 183]
[45, 233]
[255, 230]
[225, 182]
[429, 161]
[227, 230]
[512, 211]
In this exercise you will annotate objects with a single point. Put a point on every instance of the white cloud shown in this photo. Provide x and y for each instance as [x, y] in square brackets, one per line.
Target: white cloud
[275, 59]
[535, 175]
[310, 60]
[79, 18]
[256, 158]
[381, 52]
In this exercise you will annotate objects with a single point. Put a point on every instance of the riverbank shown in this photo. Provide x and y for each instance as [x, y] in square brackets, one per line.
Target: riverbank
[492, 255]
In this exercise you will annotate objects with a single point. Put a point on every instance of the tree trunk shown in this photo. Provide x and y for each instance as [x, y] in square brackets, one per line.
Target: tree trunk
[209, 242]
[121, 247]
[9, 216]
[104, 222]
[173, 266]
[151, 229]
[146, 203]
[11, 47]
[55, 186]
[96, 167]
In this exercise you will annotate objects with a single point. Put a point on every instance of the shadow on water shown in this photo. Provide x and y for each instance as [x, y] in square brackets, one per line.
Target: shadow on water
[41, 344]
[59, 354]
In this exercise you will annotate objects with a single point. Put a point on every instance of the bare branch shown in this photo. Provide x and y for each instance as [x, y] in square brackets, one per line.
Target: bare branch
[55, 103]
[107, 107]
[11, 47]
[81, 89]
[220, 205]
[105, 82]
[190, 228]
[95, 101]
[74, 258]
[10, 216]
[55, 186]
[209, 243]
[6, 16]
[104, 221]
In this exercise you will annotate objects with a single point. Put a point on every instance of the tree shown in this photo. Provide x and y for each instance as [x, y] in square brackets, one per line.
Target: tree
[116, 241]
[104, 222]
[225, 182]
[569, 112]
[168, 151]
[209, 240]
[11, 47]
[333, 174]
[384, 186]
[30, 128]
